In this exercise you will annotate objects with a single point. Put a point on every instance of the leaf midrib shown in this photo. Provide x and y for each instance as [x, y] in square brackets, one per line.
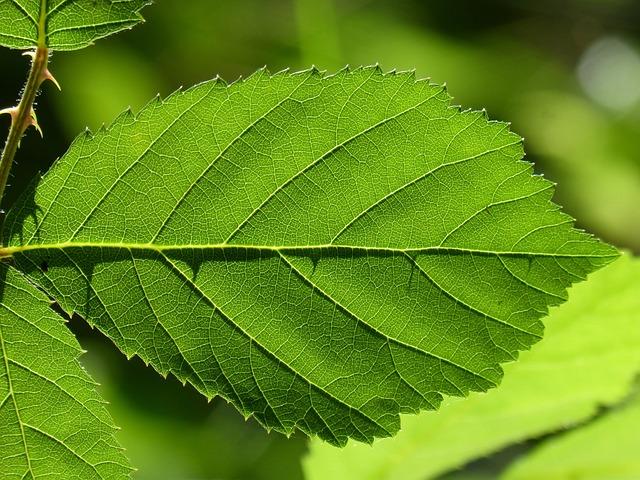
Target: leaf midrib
[10, 251]
[281, 252]
[42, 24]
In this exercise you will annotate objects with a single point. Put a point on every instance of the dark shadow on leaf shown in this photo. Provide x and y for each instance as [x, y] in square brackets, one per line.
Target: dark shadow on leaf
[26, 207]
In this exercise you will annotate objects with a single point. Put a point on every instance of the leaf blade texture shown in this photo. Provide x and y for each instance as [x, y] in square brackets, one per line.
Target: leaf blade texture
[311, 247]
[53, 423]
[65, 24]
[588, 360]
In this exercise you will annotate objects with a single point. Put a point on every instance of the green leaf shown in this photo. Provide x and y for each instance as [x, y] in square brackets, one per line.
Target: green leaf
[605, 449]
[324, 252]
[53, 423]
[589, 359]
[65, 24]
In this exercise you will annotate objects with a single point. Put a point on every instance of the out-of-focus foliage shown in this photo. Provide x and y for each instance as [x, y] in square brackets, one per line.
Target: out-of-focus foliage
[606, 449]
[539, 63]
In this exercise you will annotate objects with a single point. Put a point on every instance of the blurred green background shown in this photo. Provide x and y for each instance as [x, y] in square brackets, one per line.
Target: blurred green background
[566, 74]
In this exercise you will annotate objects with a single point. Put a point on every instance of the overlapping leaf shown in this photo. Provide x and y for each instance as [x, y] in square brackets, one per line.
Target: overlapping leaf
[607, 448]
[64, 24]
[53, 423]
[589, 359]
[325, 252]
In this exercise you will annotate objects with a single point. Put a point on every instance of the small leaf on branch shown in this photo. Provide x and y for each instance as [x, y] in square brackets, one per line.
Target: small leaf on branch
[65, 24]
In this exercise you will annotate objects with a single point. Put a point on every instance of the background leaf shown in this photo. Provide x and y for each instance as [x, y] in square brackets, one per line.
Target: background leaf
[65, 24]
[607, 448]
[562, 381]
[325, 252]
[53, 423]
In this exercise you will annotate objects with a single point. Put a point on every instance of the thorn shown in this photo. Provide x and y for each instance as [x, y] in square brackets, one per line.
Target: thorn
[13, 111]
[33, 121]
[46, 75]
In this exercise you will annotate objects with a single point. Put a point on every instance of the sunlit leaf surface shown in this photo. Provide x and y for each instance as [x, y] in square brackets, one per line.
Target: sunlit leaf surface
[326, 252]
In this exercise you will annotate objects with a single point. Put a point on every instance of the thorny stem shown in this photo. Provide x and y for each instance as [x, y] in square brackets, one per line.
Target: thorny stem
[23, 116]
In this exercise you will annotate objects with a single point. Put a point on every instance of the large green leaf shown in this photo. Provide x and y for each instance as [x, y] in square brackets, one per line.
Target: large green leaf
[64, 24]
[589, 358]
[53, 423]
[325, 252]
[605, 449]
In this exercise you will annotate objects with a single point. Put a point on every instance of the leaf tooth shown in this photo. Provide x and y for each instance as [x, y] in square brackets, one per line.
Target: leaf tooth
[124, 117]
[426, 80]
[258, 75]
[362, 68]
[263, 70]
[158, 100]
[315, 71]
[69, 312]
[218, 81]
[402, 74]
[342, 72]
[284, 72]
[238, 81]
